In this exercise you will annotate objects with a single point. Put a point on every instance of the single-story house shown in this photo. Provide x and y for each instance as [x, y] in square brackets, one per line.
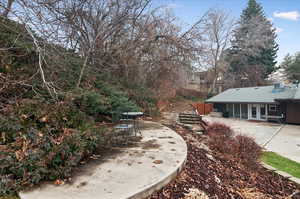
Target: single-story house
[260, 103]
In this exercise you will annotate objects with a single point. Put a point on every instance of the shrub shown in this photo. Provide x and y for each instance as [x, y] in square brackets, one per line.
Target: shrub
[240, 147]
[107, 100]
[41, 141]
[144, 97]
[190, 94]
[247, 150]
[93, 103]
[226, 114]
[221, 136]
[220, 130]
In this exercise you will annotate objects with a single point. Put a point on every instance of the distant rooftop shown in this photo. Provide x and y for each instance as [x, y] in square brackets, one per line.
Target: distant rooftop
[262, 94]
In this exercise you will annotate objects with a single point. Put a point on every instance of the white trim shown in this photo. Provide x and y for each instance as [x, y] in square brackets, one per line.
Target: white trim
[258, 112]
[240, 111]
[248, 111]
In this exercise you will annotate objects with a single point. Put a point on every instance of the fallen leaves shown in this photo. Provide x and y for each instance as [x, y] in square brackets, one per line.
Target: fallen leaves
[59, 182]
[210, 174]
[196, 194]
[95, 157]
[157, 161]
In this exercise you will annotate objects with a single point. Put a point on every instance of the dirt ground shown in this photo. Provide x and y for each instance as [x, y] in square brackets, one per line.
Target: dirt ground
[179, 106]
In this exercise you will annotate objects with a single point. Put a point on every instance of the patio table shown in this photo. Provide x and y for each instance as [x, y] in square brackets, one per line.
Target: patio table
[132, 117]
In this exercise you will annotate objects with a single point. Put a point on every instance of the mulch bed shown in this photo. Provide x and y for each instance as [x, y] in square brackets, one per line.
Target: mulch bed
[218, 176]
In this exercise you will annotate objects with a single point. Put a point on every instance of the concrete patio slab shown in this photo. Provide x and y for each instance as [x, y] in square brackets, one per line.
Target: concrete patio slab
[287, 142]
[134, 172]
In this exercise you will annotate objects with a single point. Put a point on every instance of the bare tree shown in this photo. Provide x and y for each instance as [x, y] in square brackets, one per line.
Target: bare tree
[127, 39]
[6, 6]
[217, 27]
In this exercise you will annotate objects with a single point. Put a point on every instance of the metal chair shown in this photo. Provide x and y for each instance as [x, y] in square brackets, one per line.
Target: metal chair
[123, 131]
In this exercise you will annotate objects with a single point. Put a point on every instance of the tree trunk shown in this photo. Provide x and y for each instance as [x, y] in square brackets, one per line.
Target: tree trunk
[212, 88]
[8, 8]
[82, 69]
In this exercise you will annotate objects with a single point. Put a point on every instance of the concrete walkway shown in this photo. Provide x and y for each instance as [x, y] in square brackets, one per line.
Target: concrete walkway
[132, 173]
[282, 139]
[287, 142]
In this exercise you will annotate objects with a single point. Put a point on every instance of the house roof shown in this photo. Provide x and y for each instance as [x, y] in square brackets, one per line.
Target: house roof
[262, 94]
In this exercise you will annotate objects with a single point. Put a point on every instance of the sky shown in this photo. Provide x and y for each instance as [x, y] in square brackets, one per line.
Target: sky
[284, 14]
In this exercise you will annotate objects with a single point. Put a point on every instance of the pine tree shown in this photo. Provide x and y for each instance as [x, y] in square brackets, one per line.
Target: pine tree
[254, 47]
[291, 66]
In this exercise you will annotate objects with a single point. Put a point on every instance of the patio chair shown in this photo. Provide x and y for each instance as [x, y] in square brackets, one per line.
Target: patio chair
[122, 132]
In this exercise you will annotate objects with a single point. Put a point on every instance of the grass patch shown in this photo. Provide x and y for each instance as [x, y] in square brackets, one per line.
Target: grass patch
[282, 163]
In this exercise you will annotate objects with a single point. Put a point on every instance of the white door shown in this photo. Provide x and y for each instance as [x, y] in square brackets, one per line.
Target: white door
[257, 111]
[254, 112]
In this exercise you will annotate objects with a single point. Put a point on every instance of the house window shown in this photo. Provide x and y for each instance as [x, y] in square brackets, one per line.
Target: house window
[273, 107]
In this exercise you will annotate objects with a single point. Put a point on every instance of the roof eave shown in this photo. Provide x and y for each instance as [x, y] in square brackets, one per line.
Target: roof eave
[288, 99]
[239, 102]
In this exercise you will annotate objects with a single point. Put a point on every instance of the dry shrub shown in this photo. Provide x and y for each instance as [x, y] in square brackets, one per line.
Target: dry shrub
[240, 147]
[220, 130]
[247, 150]
[190, 93]
[221, 137]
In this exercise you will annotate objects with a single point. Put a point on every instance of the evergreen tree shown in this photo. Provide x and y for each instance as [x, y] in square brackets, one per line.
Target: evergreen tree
[254, 47]
[291, 65]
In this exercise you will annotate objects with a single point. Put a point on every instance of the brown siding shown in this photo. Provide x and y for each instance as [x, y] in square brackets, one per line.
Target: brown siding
[293, 112]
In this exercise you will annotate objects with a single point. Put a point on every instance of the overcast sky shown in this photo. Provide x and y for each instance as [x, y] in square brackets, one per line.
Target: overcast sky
[285, 15]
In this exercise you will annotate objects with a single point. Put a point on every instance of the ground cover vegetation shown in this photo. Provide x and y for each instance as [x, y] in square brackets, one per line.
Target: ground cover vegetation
[281, 163]
[44, 143]
[220, 165]
[69, 67]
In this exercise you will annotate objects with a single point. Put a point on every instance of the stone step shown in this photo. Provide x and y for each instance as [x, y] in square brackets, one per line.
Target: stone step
[188, 118]
[190, 122]
[189, 115]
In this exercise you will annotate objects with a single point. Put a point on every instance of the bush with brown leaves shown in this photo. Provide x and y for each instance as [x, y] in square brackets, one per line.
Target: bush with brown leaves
[221, 137]
[247, 150]
[240, 147]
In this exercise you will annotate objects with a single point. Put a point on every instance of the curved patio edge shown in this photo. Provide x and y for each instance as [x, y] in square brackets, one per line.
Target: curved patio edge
[134, 173]
[159, 185]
